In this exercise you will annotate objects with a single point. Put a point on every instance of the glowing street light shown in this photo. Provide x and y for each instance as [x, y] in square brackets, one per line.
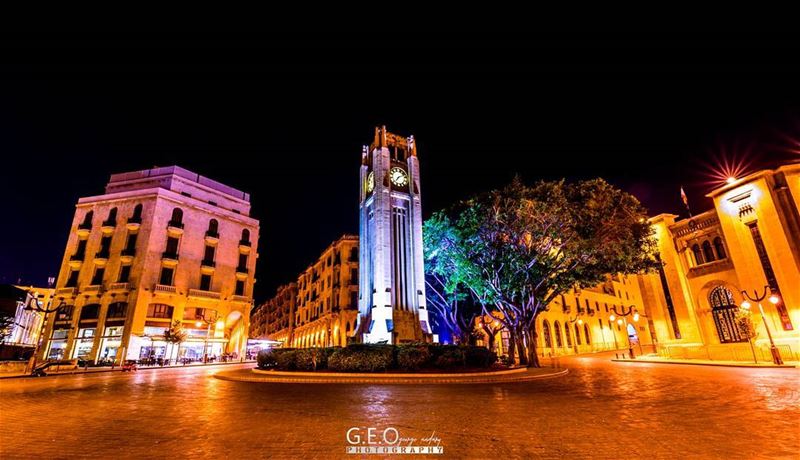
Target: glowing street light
[774, 299]
[730, 180]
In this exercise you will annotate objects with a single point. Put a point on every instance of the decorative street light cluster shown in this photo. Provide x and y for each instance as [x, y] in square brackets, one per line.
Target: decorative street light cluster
[774, 299]
[35, 304]
[208, 322]
[623, 318]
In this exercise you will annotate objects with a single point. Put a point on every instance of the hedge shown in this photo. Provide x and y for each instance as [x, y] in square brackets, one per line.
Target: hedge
[376, 358]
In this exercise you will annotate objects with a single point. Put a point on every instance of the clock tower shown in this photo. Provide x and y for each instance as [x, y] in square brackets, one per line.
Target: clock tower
[391, 292]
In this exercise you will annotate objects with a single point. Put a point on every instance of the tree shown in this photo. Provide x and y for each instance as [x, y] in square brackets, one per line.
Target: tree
[518, 248]
[747, 329]
[6, 326]
[175, 335]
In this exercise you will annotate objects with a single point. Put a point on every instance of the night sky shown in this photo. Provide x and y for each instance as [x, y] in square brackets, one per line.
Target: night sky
[285, 122]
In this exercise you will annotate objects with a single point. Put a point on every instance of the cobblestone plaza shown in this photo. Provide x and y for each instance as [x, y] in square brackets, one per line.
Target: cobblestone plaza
[600, 409]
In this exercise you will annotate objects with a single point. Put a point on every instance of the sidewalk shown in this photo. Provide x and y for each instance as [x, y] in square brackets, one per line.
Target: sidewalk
[654, 359]
[95, 370]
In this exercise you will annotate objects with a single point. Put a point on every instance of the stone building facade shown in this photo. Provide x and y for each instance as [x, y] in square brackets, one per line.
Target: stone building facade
[321, 308]
[159, 246]
[749, 242]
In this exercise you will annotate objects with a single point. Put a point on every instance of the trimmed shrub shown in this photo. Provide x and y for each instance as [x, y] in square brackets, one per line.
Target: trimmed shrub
[479, 357]
[450, 358]
[286, 360]
[413, 357]
[361, 358]
[266, 359]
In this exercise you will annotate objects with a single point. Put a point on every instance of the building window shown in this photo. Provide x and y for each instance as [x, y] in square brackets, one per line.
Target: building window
[205, 282]
[213, 228]
[698, 255]
[239, 287]
[208, 255]
[177, 218]
[557, 333]
[91, 311]
[567, 335]
[80, 251]
[136, 218]
[708, 253]
[117, 310]
[72, 281]
[353, 276]
[245, 237]
[87, 221]
[719, 248]
[124, 274]
[130, 245]
[112, 218]
[577, 335]
[159, 310]
[724, 312]
[167, 274]
[105, 247]
[97, 279]
[242, 263]
[586, 333]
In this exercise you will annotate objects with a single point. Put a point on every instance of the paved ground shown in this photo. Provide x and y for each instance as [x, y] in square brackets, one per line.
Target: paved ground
[599, 410]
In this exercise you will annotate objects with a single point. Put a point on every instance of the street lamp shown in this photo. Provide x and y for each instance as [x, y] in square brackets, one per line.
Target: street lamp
[34, 305]
[631, 311]
[203, 320]
[773, 299]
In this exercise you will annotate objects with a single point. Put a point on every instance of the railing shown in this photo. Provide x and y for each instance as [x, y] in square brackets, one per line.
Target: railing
[710, 267]
[65, 291]
[727, 352]
[203, 294]
[92, 288]
[165, 289]
[240, 298]
[694, 225]
[119, 286]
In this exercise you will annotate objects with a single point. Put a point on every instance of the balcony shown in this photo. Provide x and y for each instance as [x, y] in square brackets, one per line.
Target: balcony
[175, 227]
[66, 291]
[164, 289]
[92, 288]
[169, 258]
[119, 286]
[710, 267]
[241, 298]
[108, 226]
[199, 293]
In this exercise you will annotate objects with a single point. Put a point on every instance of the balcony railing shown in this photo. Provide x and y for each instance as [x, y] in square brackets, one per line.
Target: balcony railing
[203, 294]
[92, 288]
[66, 291]
[119, 286]
[240, 298]
[163, 288]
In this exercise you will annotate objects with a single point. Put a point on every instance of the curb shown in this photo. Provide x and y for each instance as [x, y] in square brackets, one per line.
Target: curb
[506, 377]
[390, 375]
[749, 366]
[119, 369]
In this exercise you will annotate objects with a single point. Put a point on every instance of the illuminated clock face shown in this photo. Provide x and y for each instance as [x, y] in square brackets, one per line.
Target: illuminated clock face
[370, 182]
[398, 176]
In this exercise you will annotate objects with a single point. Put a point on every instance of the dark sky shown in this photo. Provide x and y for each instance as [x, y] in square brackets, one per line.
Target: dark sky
[286, 122]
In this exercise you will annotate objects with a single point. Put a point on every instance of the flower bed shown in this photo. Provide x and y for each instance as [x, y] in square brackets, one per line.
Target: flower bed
[417, 357]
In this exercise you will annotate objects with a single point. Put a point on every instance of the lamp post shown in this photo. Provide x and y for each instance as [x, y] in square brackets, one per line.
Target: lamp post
[208, 322]
[625, 313]
[578, 320]
[33, 305]
[773, 299]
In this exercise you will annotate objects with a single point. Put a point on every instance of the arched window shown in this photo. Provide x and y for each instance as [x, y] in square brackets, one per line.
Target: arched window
[708, 253]
[245, 236]
[698, 255]
[719, 248]
[567, 335]
[548, 339]
[557, 332]
[177, 216]
[112, 217]
[213, 228]
[90, 311]
[586, 333]
[577, 335]
[87, 220]
[724, 311]
[136, 218]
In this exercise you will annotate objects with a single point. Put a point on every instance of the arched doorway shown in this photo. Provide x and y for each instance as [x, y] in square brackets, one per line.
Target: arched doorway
[724, 311]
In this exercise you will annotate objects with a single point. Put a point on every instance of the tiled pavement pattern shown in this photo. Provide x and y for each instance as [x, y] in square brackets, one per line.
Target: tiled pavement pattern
[599, 410]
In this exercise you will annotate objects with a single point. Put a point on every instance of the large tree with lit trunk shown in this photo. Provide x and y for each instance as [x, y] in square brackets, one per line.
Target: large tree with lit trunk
[518, 248]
